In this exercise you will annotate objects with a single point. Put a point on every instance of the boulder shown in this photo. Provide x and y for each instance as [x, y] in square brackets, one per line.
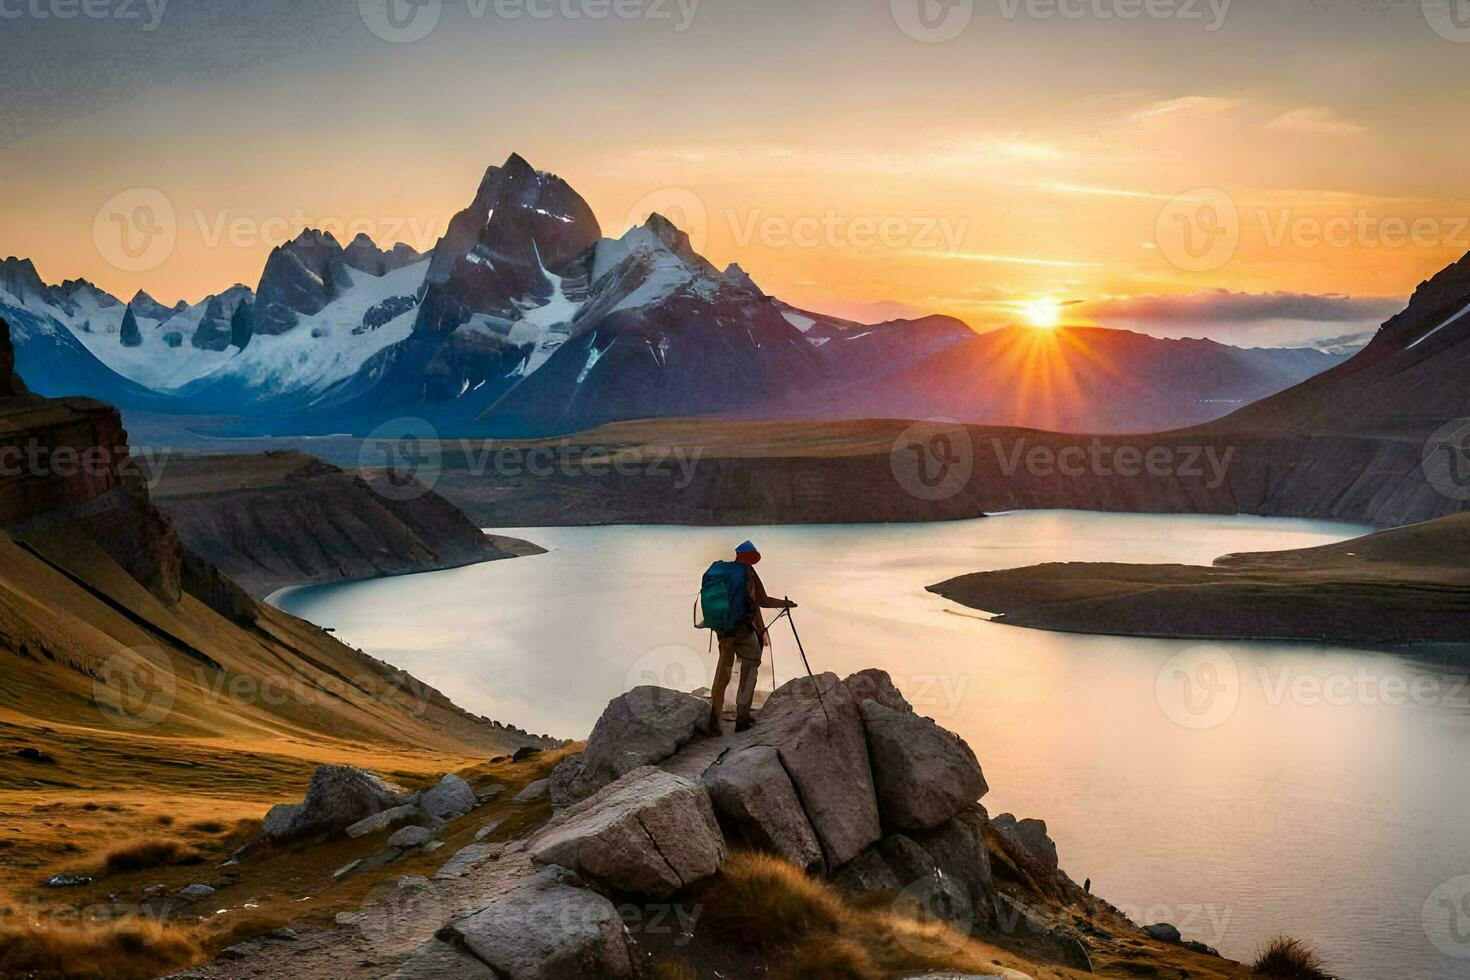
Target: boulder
[924, 776]
[468, 860]
[534, 792]
[644, 726]
[338, 797]
[546, 929]
[382, 821]
[650, 833]
[958, 849]
[437, 960]
[451, 798]
[754, 798]
[826, 756]
[1028, 844]
[193, 892]
[875, 685]
[898, 864]
[411, 837]
[1164, 933]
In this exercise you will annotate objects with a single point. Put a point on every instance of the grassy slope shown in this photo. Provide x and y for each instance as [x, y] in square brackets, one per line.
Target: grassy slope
[253, 710]
[1403, 585]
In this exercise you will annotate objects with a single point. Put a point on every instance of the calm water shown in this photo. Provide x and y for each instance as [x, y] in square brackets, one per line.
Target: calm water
[1235, 790]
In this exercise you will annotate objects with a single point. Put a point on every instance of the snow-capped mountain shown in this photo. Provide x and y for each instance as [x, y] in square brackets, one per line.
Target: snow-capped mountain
[523, 320]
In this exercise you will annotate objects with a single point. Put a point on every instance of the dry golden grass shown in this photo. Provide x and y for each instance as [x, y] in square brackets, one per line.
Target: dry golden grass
[143, 853]
[117, 950]
[811, 931]
[1286, 957]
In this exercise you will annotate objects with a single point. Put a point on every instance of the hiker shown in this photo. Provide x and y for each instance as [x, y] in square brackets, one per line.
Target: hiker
[733, 597]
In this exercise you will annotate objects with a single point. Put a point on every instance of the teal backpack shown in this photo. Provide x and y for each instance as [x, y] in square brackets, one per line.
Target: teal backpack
[723, 597]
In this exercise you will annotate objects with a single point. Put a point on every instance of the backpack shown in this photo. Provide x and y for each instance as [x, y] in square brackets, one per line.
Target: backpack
[723, 597]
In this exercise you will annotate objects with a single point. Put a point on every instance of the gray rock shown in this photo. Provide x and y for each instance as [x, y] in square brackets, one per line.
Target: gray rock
[437, 960]
[468, 860]
[410, 837]
[338, 797]
[490, 793]
[1164, 933]
[1028, 841]
[898, 864]
[958, 849]
[488, 829]
[383, 820]
[345, 870]
[1071, 950]
[239, 951]
[753, 795]
[348, 918]
[876, 685]
[644, 726]
[451, 798]
[547, 929]
[193, 892]
[650, 833]
[827, 762]
[924, 775]
[534, 792]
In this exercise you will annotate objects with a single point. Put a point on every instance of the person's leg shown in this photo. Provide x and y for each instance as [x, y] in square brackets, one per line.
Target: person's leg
[745, 694]
[749, 651]
[719, 685]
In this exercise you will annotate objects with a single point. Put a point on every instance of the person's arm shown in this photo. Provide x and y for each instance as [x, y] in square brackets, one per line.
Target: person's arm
[759, 597]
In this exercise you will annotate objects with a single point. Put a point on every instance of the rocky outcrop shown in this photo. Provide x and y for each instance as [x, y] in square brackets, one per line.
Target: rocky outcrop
[649, 833]
[217, 327]
[756, 801]
[290, 519]
[924, 775]
[450, 799]
[338, 797]
[300, 278]
[645, 725]
[547, 929]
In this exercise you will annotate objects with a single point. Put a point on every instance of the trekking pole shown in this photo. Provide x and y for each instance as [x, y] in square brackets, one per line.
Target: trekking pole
[807, 663]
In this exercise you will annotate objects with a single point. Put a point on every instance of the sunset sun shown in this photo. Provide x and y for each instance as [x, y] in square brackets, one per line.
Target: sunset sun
[1042, 314]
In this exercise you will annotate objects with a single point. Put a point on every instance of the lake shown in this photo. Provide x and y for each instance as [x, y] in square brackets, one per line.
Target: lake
[1234, 789]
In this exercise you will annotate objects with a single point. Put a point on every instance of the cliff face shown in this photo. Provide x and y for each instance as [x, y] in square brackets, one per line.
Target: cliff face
[287, 518]
[98, 595]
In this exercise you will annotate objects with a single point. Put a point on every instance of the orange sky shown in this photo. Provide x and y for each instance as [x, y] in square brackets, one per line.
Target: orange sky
[844, 164]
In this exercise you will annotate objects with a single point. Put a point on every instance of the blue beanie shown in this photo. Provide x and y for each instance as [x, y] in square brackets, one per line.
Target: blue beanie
[747, 548]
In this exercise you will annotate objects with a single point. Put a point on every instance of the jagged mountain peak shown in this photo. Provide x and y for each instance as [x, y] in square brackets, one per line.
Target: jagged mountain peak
[1439, 307]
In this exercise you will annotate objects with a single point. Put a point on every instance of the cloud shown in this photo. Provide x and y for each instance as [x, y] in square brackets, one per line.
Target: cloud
[1225, 307]
[1316, 121]
[1189, 106]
